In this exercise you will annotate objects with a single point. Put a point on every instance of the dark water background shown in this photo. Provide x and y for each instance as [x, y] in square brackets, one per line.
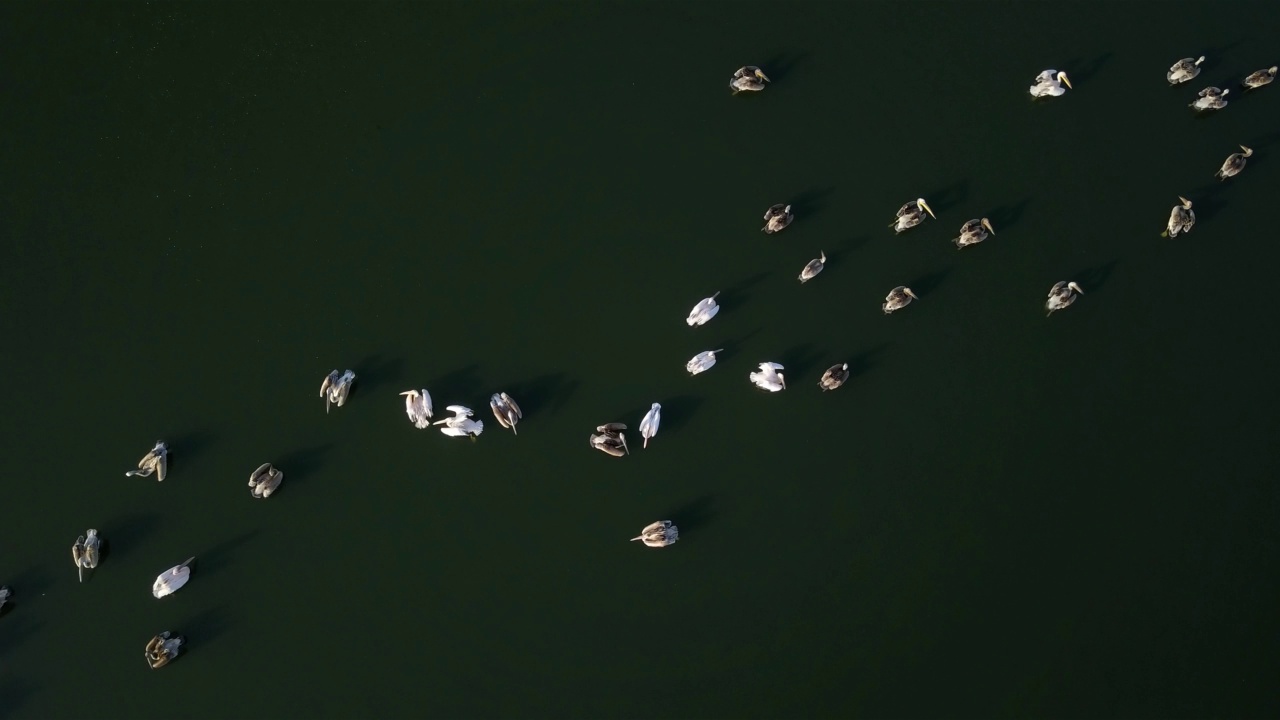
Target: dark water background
[206, 207]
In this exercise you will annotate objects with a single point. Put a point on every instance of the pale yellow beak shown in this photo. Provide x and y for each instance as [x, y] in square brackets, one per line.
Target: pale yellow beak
[913, 295]
[1063, 77]
[760, 74]
[987, 224]
[928, 209]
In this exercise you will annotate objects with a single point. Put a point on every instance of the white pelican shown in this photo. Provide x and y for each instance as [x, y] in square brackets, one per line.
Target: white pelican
[417, 405]
[156, 461]
[171, 581]
[649, 424]
[897, 299]
[702, 362]
[1061, 295]
[748, 78]
[265, 480]
[1260, 78]
[162, 648]
[814, 267]
[703, 311]
[776, 218]
[1234, 164]
[610, 439]
[335, 388]
[1184, 70]
[1049, 83]
[768, 377]
[834, 377]
[461, 423]
[912, 214]
[77, 556]
[1181, 219]
[1210, 98]
[506, 410]
[973, 232]
[659, 534]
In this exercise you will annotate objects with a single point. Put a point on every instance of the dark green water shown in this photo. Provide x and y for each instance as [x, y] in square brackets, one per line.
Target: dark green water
[208, 207]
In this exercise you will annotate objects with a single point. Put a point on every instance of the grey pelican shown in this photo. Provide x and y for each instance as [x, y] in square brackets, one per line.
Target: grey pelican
[265, 480]
[1260, 78]
[1049, 84]
[1181, 219]
[77, 556]
[834, 377]
[649, 423]
[912, 214]
[417, 405]
[1061, 295]
[335, 388]
[702, 362]
[162, 648]
[659, 534]
[610, 438]
[461, 424]
[748, 78]
[506, 410]
[1210, 98]
[1234, 164]
[703, 311]
[156, 461]
[897, 299]
[768, 377]
[776, 218]
[1184, 70]
[171, 581]
[814, 267]
[973, 232]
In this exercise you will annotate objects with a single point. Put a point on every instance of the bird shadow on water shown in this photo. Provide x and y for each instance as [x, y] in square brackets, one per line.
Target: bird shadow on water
[1206, 200]
[218, 557]
[461, 383]
[376, 372]
[780, 65]
[14, 692]
[730, 348]
[809, 202]
[800, 360]
[736, 294]
[693, 515]
[846, 247]
[185, 448]
[1092, 279]
[1084, 70]
[205, 627]
[1008, 215]
[302, 463]
[677, 411]
[862, 363]
[126, 532]
[30, 583]
[543, 394]
[926, 284]
[944, 198]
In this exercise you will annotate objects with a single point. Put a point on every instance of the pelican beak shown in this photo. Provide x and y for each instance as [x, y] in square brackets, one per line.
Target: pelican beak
[987, 224]
[1063, 77]
[760, 74]
[925, 206]
[1185, 202]
[913, 295]
[1075, 287]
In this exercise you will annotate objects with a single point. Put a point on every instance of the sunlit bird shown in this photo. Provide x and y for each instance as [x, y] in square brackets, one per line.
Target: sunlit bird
[1234, 164]
[703, 311]
[156, 461]
[748, 78]
[417, 405]
[1260, 78]
[834, 377]
[659, 534]
[768, 377]
[897, 299]
[973, 232]
[702, 362]
[912, 214]
[649, 424]
[1049, 83]
[1181, 219]
[1210, 98]
[505, 410]
[776, 218]
[1184, 70]
[1061, 295]
[814, 267]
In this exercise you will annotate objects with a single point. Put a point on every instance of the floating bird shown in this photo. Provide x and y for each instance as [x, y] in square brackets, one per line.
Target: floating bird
[335, 388]
[973, 232]
[610, 438]
[702, 362]
[814, 267]
[768, 377]
[1234, 164]
[912, 214]
[156, 461]
[776, 218]
[1061, 295]
[417, 405]
[162, 648]
[748, 78]
[461, 423]
[506, 410]
[77, 556]
[897, 299]
[5, 594]
[834, 377]
[171, 581]
[649, 424]
[1210, 98]
[92, 550]
[1184, 70]
[1181, 219]
[1260, 78]
[703, 311]
[659, 534]
[265, 480]
[1049, 84]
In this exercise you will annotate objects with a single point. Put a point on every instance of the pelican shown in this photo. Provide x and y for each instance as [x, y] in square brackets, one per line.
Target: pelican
[171, 581]
[748, 78]
[92, 550]
[5, 594]
[506, 410]
[702, 362]
[156, 461]
[265, 480]
[776, 218]
[610, 439]
[834, 377]
[814, 267]
[417, 405]
[659, 534]
[768, 377]
[335, 388]
[1260, 78]
[77, 556]
[461, 423]
[897, 299]
[1061, 295]
[1049, 83]
[703, 311]
[1181, 219]
[1210, 98]
[162, 648]
[1184, 70]
[649, 424]
[1234, 164]
[912, 214]
[973, 232]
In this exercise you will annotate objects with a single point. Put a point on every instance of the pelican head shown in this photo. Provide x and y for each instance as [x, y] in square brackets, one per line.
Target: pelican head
[1248, 152]
[1199, 60]
[1073, 284]
[987, 224]
[908, 292]
[760, 74]
[1185, 202]
[920, 203]
[1062, 78]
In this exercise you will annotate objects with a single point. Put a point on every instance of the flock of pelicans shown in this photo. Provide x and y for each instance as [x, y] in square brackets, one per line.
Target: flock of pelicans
[610, 438]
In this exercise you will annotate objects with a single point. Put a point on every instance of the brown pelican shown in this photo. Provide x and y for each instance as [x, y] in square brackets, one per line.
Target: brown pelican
[1181, 219]
[610, 438]
[506, 410]
[1211, 98]
[417, 405]
[1049, 84]
[814, 267]
[649, 423]
[703, 311]
[768, 377]
[834, 377]
[897, 299]
[1061, 295]
[90, 550]
[265, 480]
[973, 232]
[77, 556]
[1260, 78]
[171, 581]
[156, 461]
[776, 218]
[702, 362]
[1184, 70]
[659, 534]
[162, 648]
[335, 388]
[461, 424]
[1234, 164]
[748, 78]
[912, 214]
